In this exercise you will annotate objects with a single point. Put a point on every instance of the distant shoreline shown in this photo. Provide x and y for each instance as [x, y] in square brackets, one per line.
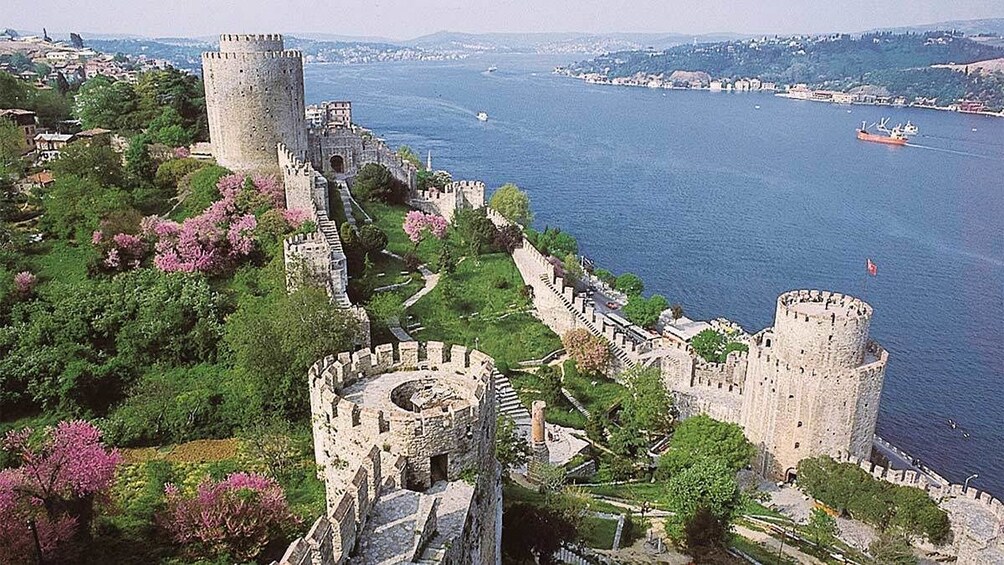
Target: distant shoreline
[784, 94]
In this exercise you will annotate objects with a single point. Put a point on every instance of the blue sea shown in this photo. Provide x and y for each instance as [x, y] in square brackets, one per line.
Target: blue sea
[722, 201]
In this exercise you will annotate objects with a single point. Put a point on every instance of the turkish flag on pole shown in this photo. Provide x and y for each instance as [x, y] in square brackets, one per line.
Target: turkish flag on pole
[872, 268]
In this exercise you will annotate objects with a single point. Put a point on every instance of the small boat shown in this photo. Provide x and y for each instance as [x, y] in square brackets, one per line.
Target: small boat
[952, 424]
[757, 107]
[492, 69]
[910, 129]
[965, 435]
[895, 137]
[482, 116]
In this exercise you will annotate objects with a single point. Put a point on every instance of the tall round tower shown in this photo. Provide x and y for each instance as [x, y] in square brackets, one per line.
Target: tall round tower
[813, 381]
[254, 99]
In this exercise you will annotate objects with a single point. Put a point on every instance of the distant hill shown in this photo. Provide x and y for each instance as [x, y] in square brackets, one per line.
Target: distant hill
[902, 64]
[991, 26]
[557, 42]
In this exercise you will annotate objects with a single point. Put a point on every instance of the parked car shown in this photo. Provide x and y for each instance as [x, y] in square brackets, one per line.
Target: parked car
[613, 305]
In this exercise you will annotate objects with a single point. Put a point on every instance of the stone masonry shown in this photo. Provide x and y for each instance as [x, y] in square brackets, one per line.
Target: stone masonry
[254, 101]
[398, 435]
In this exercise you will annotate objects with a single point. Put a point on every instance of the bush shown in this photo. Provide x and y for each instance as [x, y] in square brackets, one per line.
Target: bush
[202, 190]
[375, 182]
[849, 488]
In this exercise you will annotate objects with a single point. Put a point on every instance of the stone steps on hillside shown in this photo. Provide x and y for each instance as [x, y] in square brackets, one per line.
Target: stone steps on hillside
[508, 401]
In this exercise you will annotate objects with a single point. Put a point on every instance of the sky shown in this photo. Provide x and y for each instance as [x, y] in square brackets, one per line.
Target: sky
[412, 18]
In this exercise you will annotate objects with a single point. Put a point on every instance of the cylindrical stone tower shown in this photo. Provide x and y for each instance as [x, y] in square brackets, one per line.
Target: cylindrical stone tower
[813, 382]
[254, 99]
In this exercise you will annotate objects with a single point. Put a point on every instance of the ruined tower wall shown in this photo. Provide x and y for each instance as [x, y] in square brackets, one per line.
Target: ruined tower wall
[254, 101]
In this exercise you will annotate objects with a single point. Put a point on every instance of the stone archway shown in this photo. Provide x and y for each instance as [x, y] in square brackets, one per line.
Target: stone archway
[337, 164]
[791, 475]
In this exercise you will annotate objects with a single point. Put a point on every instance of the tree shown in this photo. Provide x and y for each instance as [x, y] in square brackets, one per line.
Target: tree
[705, 536]
[550, 380]
[553, 241]
[892, 549]
[509, 238]
[476, 231]
[822, 528]
[170, 172]
[139, 165]
[707, 484]
[275, 341]
[375, 182]
[572, 270]
[372, 239]
[535, 528]
[511, 449]
[644, 312]
[709, 344]
[12, 146]
[408, 154]
[649, 403]
[234, 518]
[386, 308]
[95, 160]
[630, 284]
[417, 224]
[512, 203]
[432, 180]
[169, 128]
[13, 92]
[103, 103]
[701, 438]
[74, 206]
[55, 485]
[591, 353]
[676, 311]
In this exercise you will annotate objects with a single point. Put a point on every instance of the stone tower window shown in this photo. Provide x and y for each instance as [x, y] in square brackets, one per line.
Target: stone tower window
[796, 445]
[799, 425]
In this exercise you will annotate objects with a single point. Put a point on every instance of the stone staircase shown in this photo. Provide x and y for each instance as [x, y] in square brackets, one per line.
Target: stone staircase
[590, 325]
[508, 402]
[329, 229]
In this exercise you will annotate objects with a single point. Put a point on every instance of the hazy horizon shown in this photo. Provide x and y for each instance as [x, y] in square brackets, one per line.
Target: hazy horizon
[194, 18]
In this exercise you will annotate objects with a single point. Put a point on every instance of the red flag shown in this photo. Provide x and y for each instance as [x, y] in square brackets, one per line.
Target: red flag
[872, 268]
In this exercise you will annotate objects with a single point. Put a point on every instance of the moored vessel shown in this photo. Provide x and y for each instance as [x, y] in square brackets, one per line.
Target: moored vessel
[482, 116]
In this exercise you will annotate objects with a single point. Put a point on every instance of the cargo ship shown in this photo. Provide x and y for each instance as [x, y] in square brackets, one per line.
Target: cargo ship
[895, 136]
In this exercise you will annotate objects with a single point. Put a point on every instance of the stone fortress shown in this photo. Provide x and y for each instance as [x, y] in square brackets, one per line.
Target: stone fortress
[404, 436]
[396, 427]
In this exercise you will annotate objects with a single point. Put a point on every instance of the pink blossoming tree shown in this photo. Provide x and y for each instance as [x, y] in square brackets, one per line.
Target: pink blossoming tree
[417, 224]
[53, 489]
[24, 283]
[590, 352]
[237, 516]
[222, 234]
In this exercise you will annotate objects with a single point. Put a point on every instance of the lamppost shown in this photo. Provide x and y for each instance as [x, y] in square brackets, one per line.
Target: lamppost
[965, 487]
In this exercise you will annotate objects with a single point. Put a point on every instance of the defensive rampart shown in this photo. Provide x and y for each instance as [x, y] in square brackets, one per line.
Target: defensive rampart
[343, 151]
[464, 194]
[426, 413]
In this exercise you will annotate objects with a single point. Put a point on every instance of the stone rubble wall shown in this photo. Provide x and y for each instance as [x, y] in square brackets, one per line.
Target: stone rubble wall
[318, 257]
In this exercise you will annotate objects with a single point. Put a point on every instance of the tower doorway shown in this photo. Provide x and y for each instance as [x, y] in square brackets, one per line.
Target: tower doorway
[439, 467]
[337, 163]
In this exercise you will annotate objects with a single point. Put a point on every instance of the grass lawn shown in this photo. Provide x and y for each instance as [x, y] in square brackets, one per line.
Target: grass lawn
[759, 551]
[528, 387]
[597, 394]
[654, 493]
[480, 306]
[390, 219]
[598, 533]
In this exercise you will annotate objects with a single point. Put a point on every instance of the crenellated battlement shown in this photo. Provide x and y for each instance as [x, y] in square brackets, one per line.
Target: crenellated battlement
[821, 306]
[252, 55]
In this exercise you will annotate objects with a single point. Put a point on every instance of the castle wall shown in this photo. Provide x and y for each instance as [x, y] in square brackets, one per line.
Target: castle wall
[356, 147]
[464, 194]
[254, 101]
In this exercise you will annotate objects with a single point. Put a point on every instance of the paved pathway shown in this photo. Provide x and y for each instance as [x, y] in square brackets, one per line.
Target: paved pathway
[431, 280]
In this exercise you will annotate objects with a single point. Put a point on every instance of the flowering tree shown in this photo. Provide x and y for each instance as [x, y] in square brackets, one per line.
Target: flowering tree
[121, 251]
[24, 283]
[416, 224]
[237, 516]
[591, 353]
[54, 487]
[224, 232]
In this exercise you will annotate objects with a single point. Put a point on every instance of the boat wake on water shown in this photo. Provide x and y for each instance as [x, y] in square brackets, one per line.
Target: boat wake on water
[953, 152]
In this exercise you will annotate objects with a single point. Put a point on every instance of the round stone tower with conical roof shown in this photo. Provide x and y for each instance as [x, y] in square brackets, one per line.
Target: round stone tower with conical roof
[254, 99]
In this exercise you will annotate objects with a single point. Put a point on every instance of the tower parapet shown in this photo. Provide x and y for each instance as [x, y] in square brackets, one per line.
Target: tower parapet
[817, 329]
